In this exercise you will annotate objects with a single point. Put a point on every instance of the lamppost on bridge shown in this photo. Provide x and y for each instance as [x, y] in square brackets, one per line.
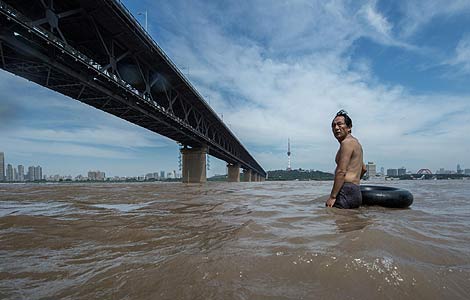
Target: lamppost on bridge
[144, 13]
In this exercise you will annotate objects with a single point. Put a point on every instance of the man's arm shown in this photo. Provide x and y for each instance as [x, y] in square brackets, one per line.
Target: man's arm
[345, 153]
[364, 170]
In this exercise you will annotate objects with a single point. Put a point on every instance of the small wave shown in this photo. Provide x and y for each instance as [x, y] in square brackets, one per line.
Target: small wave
[123, 207]
[50, 208]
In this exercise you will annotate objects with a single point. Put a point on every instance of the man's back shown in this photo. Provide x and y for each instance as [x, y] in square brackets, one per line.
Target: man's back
[354, 167]
[346, 192]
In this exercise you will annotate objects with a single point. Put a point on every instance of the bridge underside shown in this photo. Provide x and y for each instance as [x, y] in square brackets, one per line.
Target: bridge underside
[94, 51]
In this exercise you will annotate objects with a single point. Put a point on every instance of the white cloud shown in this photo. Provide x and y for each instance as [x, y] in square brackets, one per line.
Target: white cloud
[20, 147]
[99, 136]
[279, 69]
[37, 120]
[461, 58]
[416, 14]
[378, 22]
[98, 142]
[374, 25]
[268, 97]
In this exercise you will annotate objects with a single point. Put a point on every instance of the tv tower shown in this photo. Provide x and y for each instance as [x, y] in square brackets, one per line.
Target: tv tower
[288, 155]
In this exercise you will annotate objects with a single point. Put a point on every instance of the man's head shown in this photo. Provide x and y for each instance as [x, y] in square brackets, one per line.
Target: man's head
[341, 125]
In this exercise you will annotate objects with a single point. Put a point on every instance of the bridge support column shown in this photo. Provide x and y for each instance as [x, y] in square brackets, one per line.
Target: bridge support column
[194, 165]
[233, 172]
[254, 177]
[247, 175]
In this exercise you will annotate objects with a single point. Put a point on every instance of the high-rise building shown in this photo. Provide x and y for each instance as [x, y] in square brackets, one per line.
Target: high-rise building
[371, 169]
[2, 166]
[30, 175]
[401, 171]
[34, 173]
[459, 169]
[20, 173]
[162, 174]
[467, 171]
[10, 174]
[38, 173]
[392, 172]
[96, 175]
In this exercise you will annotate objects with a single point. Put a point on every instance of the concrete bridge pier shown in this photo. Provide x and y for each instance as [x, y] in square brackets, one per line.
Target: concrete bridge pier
[194, 165]
[255, 177]
[247, 175]
[233, 172]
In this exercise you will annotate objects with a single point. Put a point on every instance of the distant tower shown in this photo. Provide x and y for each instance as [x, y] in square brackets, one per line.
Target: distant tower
[288, 155]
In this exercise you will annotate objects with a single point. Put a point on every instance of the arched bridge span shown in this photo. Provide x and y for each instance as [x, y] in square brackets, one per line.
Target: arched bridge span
[424, 171]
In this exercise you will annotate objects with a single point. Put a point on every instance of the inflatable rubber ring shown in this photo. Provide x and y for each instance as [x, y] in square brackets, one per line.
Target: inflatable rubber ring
[386, 196]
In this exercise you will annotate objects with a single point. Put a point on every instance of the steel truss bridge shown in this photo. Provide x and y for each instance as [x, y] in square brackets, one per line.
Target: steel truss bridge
[96, 52]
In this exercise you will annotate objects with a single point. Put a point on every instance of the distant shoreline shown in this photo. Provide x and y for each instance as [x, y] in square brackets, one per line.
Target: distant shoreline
[277, 175]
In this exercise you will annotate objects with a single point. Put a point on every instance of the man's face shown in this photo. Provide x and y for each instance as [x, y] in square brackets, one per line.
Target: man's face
[339, 128]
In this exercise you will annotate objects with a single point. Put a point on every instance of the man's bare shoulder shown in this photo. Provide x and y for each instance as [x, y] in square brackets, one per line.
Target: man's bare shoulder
[350, 141]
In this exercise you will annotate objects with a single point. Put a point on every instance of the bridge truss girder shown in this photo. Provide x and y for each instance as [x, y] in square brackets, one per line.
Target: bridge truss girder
[70, 47]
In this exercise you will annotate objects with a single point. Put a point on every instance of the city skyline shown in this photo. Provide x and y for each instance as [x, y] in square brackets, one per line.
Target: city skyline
[399, 68]
[16, 172]
[371, 168]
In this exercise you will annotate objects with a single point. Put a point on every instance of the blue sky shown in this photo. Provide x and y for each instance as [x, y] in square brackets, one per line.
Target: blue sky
[276, 70]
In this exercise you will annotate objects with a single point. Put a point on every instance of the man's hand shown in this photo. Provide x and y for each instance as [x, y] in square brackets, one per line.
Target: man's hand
[330, 202]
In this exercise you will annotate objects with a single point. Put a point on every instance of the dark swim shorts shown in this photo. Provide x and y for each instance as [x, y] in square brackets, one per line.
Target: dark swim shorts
[349, 196]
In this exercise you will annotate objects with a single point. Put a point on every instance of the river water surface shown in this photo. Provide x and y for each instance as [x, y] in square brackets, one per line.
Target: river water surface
[263, 240]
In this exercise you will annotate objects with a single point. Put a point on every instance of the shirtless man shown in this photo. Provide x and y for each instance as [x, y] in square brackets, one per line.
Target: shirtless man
[346, 192]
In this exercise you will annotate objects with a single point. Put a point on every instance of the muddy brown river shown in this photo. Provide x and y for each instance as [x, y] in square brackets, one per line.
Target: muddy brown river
[262, 240]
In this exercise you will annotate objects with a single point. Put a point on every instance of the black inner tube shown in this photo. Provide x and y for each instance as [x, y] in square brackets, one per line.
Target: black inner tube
[386, 196]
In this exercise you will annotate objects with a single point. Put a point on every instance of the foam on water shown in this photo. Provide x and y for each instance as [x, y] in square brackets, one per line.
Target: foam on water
[123, 207]
[48, 208]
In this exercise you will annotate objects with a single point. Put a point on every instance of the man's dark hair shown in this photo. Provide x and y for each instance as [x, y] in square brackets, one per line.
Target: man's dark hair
[347, 119]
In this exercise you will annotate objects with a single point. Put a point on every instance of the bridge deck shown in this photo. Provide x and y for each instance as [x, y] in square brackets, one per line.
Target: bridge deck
[96, 52]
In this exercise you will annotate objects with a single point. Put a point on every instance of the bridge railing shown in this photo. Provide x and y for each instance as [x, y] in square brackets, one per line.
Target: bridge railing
[174, 67]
